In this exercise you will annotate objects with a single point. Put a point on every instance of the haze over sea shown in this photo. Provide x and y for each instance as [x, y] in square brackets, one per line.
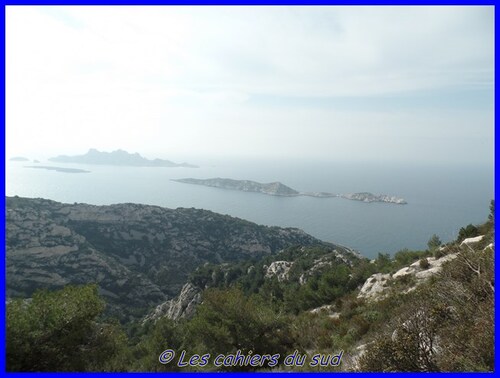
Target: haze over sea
[441, 199]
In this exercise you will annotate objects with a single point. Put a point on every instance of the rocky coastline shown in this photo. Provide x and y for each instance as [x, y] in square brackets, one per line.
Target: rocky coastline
[279, 189]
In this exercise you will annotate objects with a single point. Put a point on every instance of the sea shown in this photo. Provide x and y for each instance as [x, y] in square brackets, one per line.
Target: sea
[441, 198]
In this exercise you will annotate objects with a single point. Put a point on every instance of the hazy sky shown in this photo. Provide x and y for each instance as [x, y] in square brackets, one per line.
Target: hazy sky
[375, 83]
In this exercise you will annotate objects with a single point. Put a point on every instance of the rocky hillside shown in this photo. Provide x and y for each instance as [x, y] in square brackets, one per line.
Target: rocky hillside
[139, 255]
[296, 271]
[243, 291]
[406, 279]
[417, 311]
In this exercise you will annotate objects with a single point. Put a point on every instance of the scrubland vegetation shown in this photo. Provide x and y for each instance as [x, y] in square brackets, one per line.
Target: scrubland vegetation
[443, 324]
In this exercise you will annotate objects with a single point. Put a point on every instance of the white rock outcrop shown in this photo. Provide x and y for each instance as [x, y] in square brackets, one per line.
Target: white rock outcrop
[183, 306]
[377, 285]
[489, 246]
[374, 286]
[279, 269]
[470, 241]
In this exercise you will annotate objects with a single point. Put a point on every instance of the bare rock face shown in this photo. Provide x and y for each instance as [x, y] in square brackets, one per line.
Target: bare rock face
[184, 306]
[319, 264]
[374, 286]
[470, 241]
[279, 269]
[435, 266]
[377, 285]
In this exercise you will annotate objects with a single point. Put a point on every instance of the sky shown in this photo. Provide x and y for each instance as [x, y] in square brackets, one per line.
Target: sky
[407, 84]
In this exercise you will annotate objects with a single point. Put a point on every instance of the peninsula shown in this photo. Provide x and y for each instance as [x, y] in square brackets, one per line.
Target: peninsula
[118, 158]
[279, 189]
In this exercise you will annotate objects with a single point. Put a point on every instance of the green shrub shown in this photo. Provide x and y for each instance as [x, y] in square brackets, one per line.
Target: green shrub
[438, 253]
[424, 263]
[434, 242]
[58, 331]
[468, 232]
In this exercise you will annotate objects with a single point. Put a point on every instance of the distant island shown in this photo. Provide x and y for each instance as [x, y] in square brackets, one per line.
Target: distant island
[58, 169]
[369, 197]
[119, 158]
[279, 189]
[19, 158]
[273, 188]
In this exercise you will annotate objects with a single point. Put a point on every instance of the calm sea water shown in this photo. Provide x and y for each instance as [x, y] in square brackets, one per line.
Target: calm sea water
[441, 199]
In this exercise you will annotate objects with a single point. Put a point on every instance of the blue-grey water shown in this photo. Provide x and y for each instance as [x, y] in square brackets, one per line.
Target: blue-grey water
[441, 199]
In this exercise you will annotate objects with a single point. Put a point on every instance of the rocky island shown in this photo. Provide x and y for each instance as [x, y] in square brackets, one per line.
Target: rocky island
[58, 169]
[279, 189]
[19, 158]
[369, 197]
[119, 158]
[273, 188]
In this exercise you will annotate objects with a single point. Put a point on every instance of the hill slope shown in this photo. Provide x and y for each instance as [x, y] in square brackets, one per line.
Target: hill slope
[140, 255]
